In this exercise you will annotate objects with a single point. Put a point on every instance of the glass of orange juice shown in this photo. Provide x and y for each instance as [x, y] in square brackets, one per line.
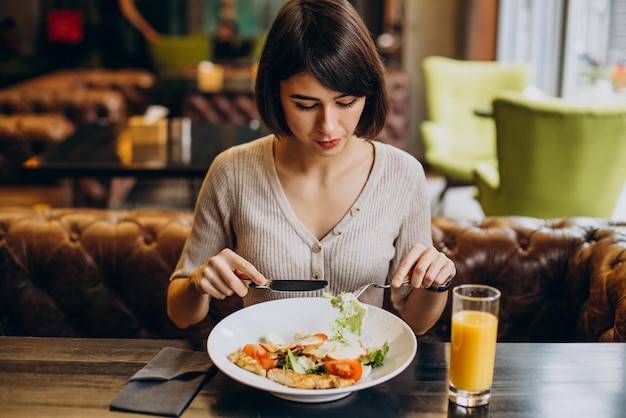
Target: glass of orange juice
[473, 339]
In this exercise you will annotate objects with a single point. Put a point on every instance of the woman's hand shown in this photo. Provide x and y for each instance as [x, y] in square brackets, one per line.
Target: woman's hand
[222, 275]
[424, 267]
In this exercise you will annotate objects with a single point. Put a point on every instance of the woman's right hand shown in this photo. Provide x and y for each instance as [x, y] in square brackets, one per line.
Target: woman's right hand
[222, 275]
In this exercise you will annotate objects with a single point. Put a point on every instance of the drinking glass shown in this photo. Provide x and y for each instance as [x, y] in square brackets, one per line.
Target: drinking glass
[474, 333]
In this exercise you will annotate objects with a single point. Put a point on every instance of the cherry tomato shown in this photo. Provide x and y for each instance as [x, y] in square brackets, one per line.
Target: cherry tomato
[346, 369]
[260, 354]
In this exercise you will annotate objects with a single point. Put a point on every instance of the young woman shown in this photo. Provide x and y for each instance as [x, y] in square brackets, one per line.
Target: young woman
[317, 199]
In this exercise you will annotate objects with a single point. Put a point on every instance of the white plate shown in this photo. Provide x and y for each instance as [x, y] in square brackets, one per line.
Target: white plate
[286, 317]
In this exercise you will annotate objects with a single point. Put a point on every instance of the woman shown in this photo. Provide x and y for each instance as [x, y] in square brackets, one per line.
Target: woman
[317, 199]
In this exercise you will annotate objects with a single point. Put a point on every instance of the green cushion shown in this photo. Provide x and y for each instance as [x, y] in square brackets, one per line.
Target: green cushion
[555, 158]
[172, 55]
[455, 138]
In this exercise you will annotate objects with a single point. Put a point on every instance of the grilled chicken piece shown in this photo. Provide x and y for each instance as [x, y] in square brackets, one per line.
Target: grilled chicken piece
[307, 381]
[246, 362]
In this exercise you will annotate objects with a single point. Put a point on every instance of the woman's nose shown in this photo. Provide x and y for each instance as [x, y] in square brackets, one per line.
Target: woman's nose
[327, 120]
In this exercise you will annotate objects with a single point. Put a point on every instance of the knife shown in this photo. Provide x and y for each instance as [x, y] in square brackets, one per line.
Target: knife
[291, 285]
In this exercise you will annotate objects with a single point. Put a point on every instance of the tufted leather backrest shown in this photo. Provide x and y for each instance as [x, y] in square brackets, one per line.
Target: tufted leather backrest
[93, 273]
[84, 96]
[22, 136]
[104, 273]
[216, 108]
[105, 95]
[561, 280]
[81, 105]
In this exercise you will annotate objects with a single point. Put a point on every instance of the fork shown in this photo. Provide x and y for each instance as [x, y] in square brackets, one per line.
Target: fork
[363, 288]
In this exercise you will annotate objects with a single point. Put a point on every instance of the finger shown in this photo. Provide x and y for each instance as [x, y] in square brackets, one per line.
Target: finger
[406, 267]
[420, 258]
[232, 269]
[222, 277]
[216, 282]
[207, 287]
[427, 269]
[438, 272]
[244, 270]
[427, 266]
[202, 284]
[422, 267]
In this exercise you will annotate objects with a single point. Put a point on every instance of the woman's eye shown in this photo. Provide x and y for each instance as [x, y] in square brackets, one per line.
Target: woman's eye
[313, 106]
[300, 106]
[348, 104]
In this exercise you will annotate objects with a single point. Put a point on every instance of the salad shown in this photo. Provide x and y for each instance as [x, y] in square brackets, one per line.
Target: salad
[316, 360]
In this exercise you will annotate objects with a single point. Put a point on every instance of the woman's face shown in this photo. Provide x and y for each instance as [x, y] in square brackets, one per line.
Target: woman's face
[322, 120]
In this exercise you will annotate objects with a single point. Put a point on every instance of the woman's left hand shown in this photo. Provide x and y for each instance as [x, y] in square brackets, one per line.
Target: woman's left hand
[424, 267]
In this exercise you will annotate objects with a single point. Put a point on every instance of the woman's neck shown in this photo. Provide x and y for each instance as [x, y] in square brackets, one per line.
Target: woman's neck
[292, 158]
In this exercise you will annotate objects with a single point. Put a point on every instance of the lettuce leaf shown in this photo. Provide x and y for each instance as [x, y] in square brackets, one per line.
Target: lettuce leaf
[351, 315]
[376, 357]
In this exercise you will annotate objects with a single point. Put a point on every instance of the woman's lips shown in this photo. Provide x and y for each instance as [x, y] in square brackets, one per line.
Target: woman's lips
[328, 144]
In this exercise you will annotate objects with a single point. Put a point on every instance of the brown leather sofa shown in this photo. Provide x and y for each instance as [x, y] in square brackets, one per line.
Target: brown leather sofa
[36, 113]
[83, 96]
[102, 273]
[24, 135]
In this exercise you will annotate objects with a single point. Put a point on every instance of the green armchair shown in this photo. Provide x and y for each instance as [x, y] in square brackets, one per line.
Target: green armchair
[555, 159]
[455, 137]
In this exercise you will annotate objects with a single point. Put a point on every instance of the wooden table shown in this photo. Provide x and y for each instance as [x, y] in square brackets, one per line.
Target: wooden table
[106, 151]
[58, 377]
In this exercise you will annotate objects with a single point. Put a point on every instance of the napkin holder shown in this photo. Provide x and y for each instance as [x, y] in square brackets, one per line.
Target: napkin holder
[147, 133]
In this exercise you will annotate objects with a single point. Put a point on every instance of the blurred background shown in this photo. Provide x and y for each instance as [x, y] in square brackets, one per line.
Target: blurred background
[577, 47]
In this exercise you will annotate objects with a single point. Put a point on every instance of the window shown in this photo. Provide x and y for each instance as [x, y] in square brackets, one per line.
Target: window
[577, 47]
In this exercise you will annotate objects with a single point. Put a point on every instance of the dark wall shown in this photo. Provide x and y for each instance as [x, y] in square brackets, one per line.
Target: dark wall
[106, 38]
[372, 12]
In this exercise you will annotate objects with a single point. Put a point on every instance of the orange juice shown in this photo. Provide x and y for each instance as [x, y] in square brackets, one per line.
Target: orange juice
[473, 350]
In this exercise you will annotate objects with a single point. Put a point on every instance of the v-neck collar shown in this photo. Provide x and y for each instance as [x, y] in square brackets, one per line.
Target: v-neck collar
[349, 217]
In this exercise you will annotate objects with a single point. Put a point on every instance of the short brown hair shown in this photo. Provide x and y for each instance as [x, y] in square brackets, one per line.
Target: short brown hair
[328, 39]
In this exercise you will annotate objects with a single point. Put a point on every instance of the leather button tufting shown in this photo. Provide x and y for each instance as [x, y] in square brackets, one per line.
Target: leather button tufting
[149, 238]
[524, 243]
